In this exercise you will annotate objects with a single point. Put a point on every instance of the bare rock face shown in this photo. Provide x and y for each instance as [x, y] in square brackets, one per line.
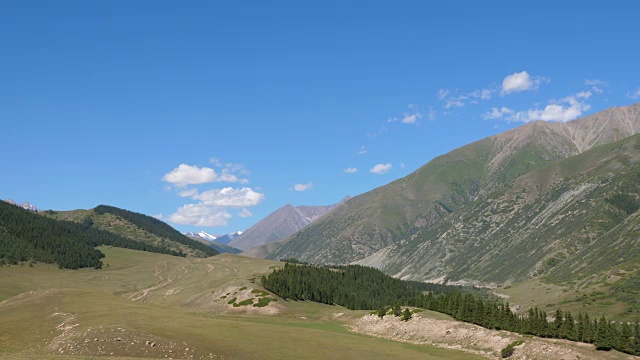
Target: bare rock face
[279, 224]
[501, 209]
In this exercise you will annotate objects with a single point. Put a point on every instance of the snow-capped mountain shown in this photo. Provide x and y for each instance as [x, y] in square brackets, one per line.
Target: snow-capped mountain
[202, 235]
[25, 205]
[219, 238]
[225, 239]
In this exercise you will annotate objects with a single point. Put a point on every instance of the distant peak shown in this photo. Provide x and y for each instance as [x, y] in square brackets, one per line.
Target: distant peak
[25, 205]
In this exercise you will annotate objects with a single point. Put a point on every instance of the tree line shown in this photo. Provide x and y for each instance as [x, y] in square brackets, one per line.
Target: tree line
[362, 288]
[156, 227]
[26, 236]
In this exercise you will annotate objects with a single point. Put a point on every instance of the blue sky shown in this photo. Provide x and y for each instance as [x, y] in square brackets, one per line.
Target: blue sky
[214, 114]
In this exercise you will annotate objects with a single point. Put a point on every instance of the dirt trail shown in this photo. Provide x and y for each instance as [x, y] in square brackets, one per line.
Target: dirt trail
[163, 282]
[475, 339]
[66, 329]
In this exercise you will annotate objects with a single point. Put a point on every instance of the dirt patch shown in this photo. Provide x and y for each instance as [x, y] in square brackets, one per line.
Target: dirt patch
[475, 339]
[219, 302]
[118, 341]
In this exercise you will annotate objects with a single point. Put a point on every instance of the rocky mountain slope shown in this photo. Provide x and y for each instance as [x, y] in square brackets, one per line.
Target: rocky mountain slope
[279, 224]
[530, 201]
[228, 238]
[222, 248]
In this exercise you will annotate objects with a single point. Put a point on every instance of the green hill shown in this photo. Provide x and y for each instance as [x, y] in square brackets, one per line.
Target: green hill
[135, 226]
[27, 236]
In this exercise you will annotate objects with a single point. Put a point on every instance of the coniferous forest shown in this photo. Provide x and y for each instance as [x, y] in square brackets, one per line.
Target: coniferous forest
[26, 236]
[362, 288]
[155, 226]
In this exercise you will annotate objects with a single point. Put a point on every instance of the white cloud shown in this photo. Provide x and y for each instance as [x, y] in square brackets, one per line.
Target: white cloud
[230, 197]
[584, 94]
[521, 81]
[382, 130]
[303, 187]
[412, 116]
[188, 193]
[213, 205]
[443, 93]
[381, 168]
[185, 175]
[432, 114]
[497, 113]
[190, 175]
[245, 213]
[229, 167]
[236, 168]
[596, 85]
[351, 170]
[200, 215]
[566, 109]
[402, 165]
[635, 94]
[455, 102]
[362, 151]
[473, 97]
[226, 176]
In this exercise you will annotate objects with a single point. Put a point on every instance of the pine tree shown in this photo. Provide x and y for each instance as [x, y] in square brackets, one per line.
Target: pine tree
[382, 312]
[636, 340]
[568, 330]
[406, 315]
[557, 324]
[603, 339]
[624, 342]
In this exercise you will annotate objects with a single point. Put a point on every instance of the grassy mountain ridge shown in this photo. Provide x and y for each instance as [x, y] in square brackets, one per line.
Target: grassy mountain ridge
[135, 226]
[27, 236]
[421, 201]
[549, 219]
[156, 227]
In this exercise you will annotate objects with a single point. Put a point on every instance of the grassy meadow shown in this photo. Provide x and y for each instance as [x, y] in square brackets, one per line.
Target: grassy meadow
[144, 305]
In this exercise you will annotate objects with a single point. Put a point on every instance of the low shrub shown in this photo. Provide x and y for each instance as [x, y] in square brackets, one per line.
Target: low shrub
[243, 303]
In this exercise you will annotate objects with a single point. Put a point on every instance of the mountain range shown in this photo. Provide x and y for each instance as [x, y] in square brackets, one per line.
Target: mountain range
[25, 205]
[280, 224]
[201, 235]
[212, 241]
[557, 200]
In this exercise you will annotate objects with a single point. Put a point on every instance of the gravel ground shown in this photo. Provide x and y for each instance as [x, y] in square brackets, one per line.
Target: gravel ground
[475, 339]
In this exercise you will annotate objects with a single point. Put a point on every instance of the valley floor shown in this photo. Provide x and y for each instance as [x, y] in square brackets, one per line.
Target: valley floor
[144, 305]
